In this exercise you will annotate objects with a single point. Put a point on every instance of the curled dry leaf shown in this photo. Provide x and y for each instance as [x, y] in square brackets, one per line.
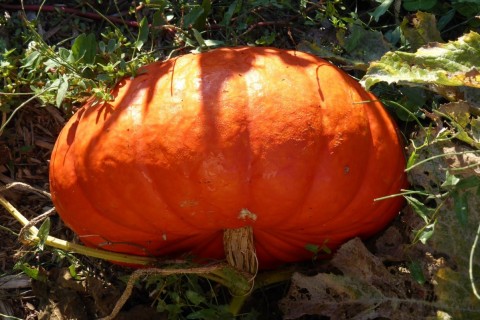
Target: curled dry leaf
[391, 244]
[366, 290]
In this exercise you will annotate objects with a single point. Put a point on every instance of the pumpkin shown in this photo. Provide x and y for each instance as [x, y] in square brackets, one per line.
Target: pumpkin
[280, 141]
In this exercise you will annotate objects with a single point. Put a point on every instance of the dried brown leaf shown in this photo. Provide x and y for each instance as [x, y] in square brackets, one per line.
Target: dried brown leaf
[366, 290]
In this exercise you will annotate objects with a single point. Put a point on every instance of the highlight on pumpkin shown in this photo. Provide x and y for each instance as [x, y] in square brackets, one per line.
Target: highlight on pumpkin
[277, 145]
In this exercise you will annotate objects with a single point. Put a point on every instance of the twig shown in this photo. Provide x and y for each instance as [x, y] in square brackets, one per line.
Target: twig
[440, 156]
[25, 186]
[34, 221]
[25, 229]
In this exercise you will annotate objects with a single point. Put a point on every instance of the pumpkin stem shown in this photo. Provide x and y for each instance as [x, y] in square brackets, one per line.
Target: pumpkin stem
[240, 249]
[240, 254]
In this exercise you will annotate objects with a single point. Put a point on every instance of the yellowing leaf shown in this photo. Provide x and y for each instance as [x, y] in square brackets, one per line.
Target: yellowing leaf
[450, 64]
[420, 29]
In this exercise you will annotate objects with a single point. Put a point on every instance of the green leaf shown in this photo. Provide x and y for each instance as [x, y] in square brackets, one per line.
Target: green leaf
[234, 7]
[62, 90]
[202, 20]
[316, 249]
[313, 248]
[199, 38]
[381, 9]
[469, 182]
[450, 180]
[426, 233]
[475, 126]
[158, 19]
[65, 55]
[112, 45]
[73, 272]
[468, 8]
[417, 272]
[420, 208]
[267, 39]
[410, 104]
[102, 46]
[460, 117]
[32, 272]
[43, 233]
[455, 230]
[31, 59]
[192, 16]
[460, 206]
[142, 34]
[445, 19]
[365, 44]
[84, 48]
[327, 53]
[415, 5]
[213, 43]
[159, 5]
[194, 297]
[450, 64]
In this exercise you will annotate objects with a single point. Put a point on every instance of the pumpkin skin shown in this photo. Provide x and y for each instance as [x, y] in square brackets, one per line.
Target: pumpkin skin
[279, 140]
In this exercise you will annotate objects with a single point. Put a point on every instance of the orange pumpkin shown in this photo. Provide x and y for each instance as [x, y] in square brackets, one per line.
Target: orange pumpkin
[278, 140]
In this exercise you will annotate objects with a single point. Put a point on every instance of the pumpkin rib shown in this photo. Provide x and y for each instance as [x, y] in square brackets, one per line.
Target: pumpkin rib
[163, 199]
[287, 219]
[79, 196]
[155, 188]
[353, 207]
[323, 162]
[111, 190]
[358, 196]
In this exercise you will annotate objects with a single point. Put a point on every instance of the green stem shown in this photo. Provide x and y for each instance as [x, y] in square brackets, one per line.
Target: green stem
[237, 303]
[68, 246]
[223, 273]
[271, 277]
[262, 280]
